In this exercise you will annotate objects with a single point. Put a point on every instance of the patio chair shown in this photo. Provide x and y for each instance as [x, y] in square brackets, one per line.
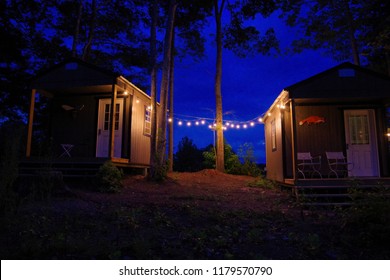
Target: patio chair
[338, 164]
[307, 164]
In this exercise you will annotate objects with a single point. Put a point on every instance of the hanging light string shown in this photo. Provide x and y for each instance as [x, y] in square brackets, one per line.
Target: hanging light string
[189, 121]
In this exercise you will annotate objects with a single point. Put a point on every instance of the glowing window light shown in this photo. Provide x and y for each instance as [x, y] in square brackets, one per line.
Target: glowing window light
[180, 123]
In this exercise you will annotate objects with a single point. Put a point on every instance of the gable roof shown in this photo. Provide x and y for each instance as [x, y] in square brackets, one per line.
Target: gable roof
[345, 80]
[73, 73]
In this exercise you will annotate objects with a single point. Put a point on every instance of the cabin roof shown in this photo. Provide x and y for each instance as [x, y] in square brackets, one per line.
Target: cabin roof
[76, 76]
[345, 80]
[344, 83]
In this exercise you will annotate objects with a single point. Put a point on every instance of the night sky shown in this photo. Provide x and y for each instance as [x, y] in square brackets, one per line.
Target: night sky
[249, 87]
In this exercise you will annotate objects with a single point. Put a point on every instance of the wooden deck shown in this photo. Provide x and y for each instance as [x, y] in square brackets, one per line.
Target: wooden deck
[73, 168]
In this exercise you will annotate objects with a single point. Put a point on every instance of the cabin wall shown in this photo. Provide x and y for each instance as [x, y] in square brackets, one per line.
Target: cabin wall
[321, 137]
[140, 143]
[76, 127]
[274, 146]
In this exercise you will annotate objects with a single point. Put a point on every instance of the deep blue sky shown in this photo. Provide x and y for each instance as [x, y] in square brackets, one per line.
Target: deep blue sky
[249, 87]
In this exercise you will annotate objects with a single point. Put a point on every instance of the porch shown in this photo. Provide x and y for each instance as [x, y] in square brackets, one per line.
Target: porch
[74, 168]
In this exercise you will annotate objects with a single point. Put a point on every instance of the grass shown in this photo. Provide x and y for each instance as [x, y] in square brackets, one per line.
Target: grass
[45, 230]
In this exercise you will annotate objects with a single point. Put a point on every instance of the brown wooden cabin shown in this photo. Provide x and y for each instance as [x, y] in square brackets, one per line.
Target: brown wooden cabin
[343, 110]
[82, 99]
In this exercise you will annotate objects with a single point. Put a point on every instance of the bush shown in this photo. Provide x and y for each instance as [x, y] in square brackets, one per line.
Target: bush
[109, 178]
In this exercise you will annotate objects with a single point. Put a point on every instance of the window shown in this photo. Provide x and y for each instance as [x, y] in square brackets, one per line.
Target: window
[107, 113]
[359, 131]
[148, 121]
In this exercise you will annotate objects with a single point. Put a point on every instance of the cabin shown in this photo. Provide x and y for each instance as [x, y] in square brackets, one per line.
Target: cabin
[330, 127]
[94, 115]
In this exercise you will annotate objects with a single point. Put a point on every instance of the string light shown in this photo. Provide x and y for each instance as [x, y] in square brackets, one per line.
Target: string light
[191, 121]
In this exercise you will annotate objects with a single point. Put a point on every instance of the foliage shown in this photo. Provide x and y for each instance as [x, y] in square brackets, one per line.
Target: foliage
[242, 164]
[367, 221]
[262, 182]
[345, 29]
[109, 178]
[247, 157]
[188, 157]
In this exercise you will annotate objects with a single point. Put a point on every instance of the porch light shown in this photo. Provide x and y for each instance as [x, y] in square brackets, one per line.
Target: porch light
[170, 120]
[125, 92]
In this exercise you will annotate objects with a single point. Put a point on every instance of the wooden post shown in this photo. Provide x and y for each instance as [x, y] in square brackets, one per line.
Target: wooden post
[111, 145]
[30, 123]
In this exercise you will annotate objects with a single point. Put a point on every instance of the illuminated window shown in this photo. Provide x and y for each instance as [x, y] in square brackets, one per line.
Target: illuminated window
[148, 121]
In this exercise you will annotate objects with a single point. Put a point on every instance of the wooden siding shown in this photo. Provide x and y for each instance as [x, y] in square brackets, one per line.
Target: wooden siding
[287, 143]
[140, 143]
[319, 138]
[274, 155]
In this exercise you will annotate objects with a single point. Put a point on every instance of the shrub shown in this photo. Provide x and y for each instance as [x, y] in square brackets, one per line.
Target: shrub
[109, 178]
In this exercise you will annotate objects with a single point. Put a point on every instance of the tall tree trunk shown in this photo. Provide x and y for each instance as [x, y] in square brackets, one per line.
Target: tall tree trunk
[351, 32]
[153, 87]
[77, 30]
[162, 120]
[92, 26]
[220, 161]
[171, 95]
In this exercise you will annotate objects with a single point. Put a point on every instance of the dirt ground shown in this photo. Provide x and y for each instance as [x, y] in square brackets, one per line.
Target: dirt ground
[206, 189]
[201, 215]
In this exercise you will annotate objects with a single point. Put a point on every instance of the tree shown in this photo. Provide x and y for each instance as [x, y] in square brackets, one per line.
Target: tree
[241, 40]
[346, 29]
[159, 169]
[188, 157]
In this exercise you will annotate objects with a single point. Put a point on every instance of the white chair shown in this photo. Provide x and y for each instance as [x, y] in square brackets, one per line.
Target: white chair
[338, 164]
[306, 163]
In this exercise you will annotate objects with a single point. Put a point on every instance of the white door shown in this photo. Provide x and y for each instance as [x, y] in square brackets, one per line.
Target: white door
[103, 129]
[360, 134]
